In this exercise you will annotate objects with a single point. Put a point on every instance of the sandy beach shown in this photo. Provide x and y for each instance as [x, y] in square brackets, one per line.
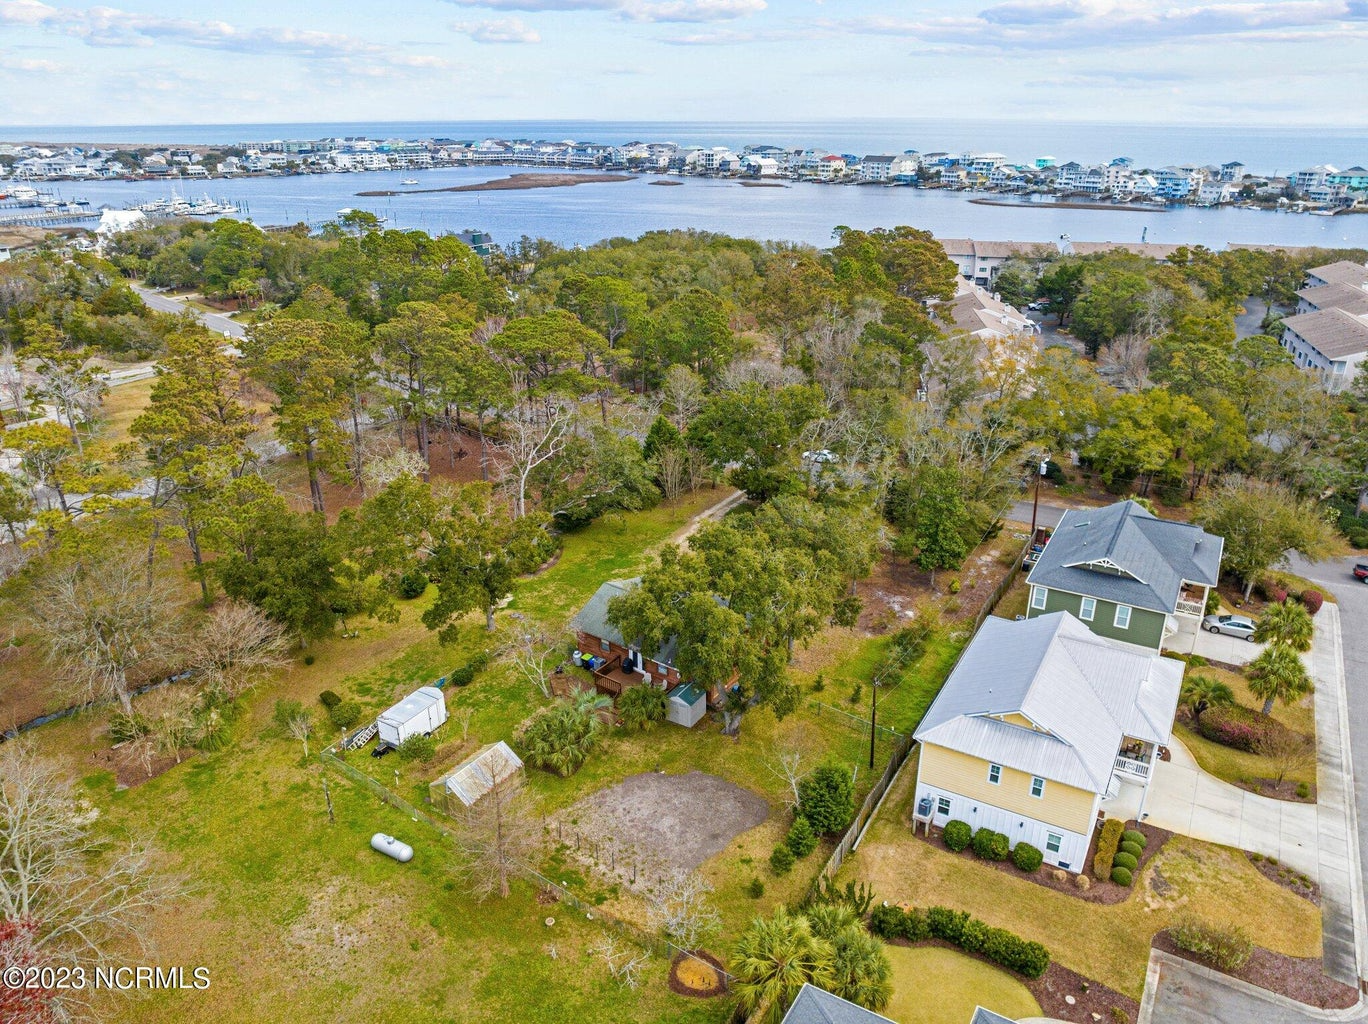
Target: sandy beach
[512, 183]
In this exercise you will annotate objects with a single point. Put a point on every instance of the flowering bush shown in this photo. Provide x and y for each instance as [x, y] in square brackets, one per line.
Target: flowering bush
[1313, 599]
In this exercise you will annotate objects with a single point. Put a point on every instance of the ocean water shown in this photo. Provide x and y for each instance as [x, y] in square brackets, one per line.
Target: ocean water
[1264, 149]
[795, 211]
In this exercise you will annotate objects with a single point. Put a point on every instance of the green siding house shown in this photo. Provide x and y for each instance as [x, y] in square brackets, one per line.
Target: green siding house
[1125, 573]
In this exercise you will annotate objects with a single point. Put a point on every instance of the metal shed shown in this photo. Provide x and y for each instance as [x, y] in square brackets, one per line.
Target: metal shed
[463, 786]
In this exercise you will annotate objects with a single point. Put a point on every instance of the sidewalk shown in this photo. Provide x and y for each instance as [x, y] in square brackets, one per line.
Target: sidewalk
[1344, 919]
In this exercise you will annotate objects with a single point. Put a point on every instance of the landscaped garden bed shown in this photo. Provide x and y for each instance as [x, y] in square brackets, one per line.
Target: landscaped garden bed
[1090, 889]
[698, 974]
[1287, 877]
[1091, 1001]
[1302, 979]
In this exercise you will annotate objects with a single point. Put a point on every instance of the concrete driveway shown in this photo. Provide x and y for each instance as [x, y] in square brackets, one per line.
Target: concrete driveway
[1186, 800]
[1191, 638]
[1181, 992]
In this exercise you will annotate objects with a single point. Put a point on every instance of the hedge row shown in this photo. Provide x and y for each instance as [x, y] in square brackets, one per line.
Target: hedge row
[969, 933]
[1107, 844]
[1237, 727]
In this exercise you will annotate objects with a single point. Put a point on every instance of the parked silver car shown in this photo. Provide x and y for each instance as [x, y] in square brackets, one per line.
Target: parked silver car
[1230, 625]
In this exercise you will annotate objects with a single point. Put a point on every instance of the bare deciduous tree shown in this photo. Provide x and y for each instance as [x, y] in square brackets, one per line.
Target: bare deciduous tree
[499, 833]
[14, 382]
[530, 440]
[682, 391]
[381, 470]
[102, 618]
[79, 897]
[1288, 752]
[1128, 358]
[235, 646]
[787, 765]
[300, 726]
[171, 720]
[532, 653]
[679, 907]
[624, 963]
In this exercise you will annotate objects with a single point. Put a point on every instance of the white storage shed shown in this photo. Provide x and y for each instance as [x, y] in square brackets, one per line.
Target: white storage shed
[688, 703]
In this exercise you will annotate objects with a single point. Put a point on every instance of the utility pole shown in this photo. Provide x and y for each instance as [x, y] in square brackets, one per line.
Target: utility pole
[1035, 502]
[873, 718]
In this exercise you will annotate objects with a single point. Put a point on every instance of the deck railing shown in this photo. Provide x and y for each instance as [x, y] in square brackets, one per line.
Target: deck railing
[1130, 766]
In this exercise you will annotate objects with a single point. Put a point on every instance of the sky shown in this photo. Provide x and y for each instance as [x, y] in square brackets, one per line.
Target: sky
[1152, 61]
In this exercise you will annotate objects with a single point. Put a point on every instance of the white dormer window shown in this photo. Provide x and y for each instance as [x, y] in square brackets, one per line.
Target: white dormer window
[1038, 598]
[1087, 609]
[1122, 620]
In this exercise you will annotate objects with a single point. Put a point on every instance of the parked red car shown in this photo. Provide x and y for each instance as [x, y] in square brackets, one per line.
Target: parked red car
[1361, 571]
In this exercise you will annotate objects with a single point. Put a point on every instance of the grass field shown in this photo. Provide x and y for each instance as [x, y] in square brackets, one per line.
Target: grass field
[121, 407]
[298, 920]
[932, 985]
[1109, 944]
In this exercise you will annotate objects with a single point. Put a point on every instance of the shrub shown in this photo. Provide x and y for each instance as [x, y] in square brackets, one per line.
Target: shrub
[756, 889]
[857, 694]
[123, 728]
[957, 835]
[329, 699]
[640, 707]
[1303, 790]
[1238, 727]
[801, 839]
[1083, 881]
[462, 676]
[412, 584]
[991, 845]
[1131, 849]
[781, 860]
[818, 684]
[308, 659]
[826, 798]
[887, 921]
[417, 748]
[954, 586]
[1313, 599]
[1213, 602]
[973, 936]
[1027, 857]
[1197, 661]
[947, 924]
[285, 710]
[1135, 836]
[1107, 843]
[346, 714]
[1226, 948]
[1126, 860]
[1121, 876]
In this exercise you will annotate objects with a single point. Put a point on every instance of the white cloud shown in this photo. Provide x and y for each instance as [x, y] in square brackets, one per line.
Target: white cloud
[687, 11]
[1077, 24]
[108, 26]
[499, 30]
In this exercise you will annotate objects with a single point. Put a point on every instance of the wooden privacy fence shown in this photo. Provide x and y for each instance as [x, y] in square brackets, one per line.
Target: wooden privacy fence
[1001, 588]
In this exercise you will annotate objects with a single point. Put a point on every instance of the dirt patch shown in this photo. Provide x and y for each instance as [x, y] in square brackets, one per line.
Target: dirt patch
[1301, 979]
[697, 974]
[1275, 790]
[1107, 892]
[130, 769]
[680, 820]
[1285, 876]
[896, 588]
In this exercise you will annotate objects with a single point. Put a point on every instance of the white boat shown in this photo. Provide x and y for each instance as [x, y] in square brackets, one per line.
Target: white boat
[409, 181]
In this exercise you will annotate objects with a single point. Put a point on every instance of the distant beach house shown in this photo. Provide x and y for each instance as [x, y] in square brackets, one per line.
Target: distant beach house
[1126, 574]
[1042, 725]
[1329, 334]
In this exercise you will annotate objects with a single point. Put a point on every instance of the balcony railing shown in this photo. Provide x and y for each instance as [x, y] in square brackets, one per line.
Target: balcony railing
[1190, 607]
[1130, 766]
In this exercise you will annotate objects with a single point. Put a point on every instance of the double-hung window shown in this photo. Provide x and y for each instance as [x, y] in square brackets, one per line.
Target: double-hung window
[943, 805]
[1053, 841]
[1122, 620]
[1087, 609]
[1037, 786]
[1038, 598]
[995, 773]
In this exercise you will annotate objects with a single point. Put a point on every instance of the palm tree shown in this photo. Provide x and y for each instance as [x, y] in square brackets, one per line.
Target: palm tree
[639, 706]
[1202, 693]
[774, 959]
[1278, 674]
[1286, 625]
[860, 971]
[560, 739]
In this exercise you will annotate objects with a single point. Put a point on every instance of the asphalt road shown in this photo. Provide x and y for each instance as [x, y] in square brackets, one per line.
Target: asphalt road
[216, 322]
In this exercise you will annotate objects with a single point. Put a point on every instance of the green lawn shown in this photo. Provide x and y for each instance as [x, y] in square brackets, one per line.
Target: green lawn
[1109, 944]
[932, 985]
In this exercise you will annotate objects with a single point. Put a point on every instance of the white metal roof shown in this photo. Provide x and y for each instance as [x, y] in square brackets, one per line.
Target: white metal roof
[413, 705]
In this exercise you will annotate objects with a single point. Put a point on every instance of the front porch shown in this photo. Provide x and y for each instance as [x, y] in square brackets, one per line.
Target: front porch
[1131, 774]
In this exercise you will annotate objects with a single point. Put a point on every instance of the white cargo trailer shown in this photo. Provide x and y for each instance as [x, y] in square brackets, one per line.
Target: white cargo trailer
[418, 714]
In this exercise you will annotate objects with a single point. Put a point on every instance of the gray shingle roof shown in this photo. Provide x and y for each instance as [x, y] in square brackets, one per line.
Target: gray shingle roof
[1332, 332]
[593, 619]
[1341, 272]
[1337, 296]
[818, 1006]
[982, 1016]
[1154, 555]
[1083, 693]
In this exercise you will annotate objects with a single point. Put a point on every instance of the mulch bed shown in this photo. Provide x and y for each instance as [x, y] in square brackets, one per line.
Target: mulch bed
[1091, 1000]
[1275, 790]
[1301, 979]
[1287, 877]
[680, 988]
[1107, 892]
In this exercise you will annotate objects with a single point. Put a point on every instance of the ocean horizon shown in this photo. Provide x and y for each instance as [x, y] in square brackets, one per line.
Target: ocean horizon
[1263, 149]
